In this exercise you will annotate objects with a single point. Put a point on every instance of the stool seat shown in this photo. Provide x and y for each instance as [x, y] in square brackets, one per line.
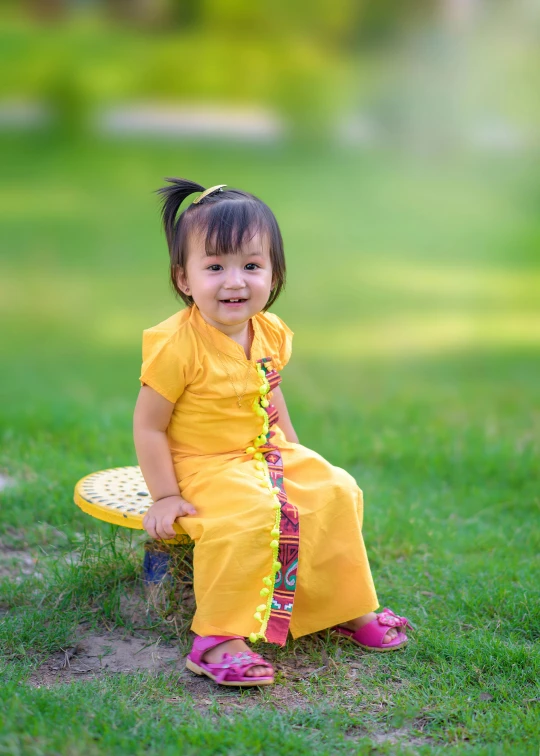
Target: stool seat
[118, 495]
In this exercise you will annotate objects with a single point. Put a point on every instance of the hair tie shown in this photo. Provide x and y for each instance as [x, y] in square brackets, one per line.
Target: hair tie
[207, 192]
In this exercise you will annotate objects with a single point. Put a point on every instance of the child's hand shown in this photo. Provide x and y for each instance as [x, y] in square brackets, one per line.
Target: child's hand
[158, 521]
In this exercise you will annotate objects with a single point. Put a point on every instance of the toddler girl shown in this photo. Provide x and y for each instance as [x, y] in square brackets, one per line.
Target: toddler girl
[277, 529]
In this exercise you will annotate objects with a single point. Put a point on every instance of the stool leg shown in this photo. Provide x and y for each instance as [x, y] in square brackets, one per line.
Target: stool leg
[156, 575]
[155, 565]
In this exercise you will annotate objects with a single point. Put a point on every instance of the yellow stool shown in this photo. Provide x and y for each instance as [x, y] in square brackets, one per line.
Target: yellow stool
[120, 496]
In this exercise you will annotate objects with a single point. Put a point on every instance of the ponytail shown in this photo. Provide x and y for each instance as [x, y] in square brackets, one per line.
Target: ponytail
[172, 198]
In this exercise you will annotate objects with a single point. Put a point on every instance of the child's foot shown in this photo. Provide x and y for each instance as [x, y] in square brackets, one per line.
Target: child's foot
[359, 622]
[384, 631]
[232, 647]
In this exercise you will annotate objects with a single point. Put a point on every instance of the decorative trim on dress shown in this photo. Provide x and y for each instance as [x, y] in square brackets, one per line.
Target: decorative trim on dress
[274, 614]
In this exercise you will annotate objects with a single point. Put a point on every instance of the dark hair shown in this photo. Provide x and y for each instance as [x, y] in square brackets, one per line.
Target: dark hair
[227, 216]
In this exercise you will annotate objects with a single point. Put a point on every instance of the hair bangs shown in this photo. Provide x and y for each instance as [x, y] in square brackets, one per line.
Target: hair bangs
[229, 225]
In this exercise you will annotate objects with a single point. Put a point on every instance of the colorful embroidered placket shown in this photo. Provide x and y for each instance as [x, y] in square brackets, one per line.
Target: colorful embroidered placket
[284, 587]
[279, 586]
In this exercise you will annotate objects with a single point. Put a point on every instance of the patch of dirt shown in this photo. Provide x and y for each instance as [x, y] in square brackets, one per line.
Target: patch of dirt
[101, 653]
[18, 564]
[405, 737]
[98, 653]
[402, 737]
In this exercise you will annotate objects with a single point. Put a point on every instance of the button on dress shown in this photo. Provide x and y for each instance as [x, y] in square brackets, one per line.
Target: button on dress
[278, 530]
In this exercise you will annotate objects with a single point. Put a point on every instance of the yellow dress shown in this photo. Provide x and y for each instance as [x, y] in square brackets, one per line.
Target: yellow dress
[278, 529]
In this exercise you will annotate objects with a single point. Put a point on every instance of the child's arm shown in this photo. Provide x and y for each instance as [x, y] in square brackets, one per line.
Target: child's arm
[151, 418]
[278, 400]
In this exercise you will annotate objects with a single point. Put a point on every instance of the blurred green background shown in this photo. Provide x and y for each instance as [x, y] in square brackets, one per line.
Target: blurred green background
[397, 145]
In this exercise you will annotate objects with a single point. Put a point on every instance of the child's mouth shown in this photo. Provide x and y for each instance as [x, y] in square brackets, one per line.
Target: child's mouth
[232, 302]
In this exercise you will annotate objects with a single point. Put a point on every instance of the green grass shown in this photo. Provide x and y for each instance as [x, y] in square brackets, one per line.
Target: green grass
[412, 292]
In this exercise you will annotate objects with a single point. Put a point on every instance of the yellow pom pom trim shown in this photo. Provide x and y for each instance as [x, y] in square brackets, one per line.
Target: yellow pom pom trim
[250, 450]
[263, 612]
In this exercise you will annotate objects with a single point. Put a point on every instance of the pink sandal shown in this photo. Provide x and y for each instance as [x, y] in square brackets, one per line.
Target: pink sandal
[231, 670]
[371, 636]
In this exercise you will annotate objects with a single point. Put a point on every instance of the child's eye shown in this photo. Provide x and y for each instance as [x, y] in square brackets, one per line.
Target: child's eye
[252, 266]
[214, 267]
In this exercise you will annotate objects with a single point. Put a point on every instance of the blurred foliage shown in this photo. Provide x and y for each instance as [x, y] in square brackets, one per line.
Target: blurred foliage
[426, 64]
[81, 64]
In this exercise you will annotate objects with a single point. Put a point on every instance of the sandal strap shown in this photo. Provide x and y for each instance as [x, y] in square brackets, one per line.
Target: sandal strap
[236, 665]
[388, 618]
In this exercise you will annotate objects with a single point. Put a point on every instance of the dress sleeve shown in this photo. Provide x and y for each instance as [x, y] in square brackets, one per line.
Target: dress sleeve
[164, 363]
[282, 340]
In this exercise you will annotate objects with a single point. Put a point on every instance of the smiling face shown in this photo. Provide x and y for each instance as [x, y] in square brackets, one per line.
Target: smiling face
[228, 289]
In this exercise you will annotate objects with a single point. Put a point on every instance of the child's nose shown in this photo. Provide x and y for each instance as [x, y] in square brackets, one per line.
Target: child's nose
[235, 278]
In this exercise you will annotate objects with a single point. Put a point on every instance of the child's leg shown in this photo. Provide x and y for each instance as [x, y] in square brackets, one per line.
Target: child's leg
[334, 578]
